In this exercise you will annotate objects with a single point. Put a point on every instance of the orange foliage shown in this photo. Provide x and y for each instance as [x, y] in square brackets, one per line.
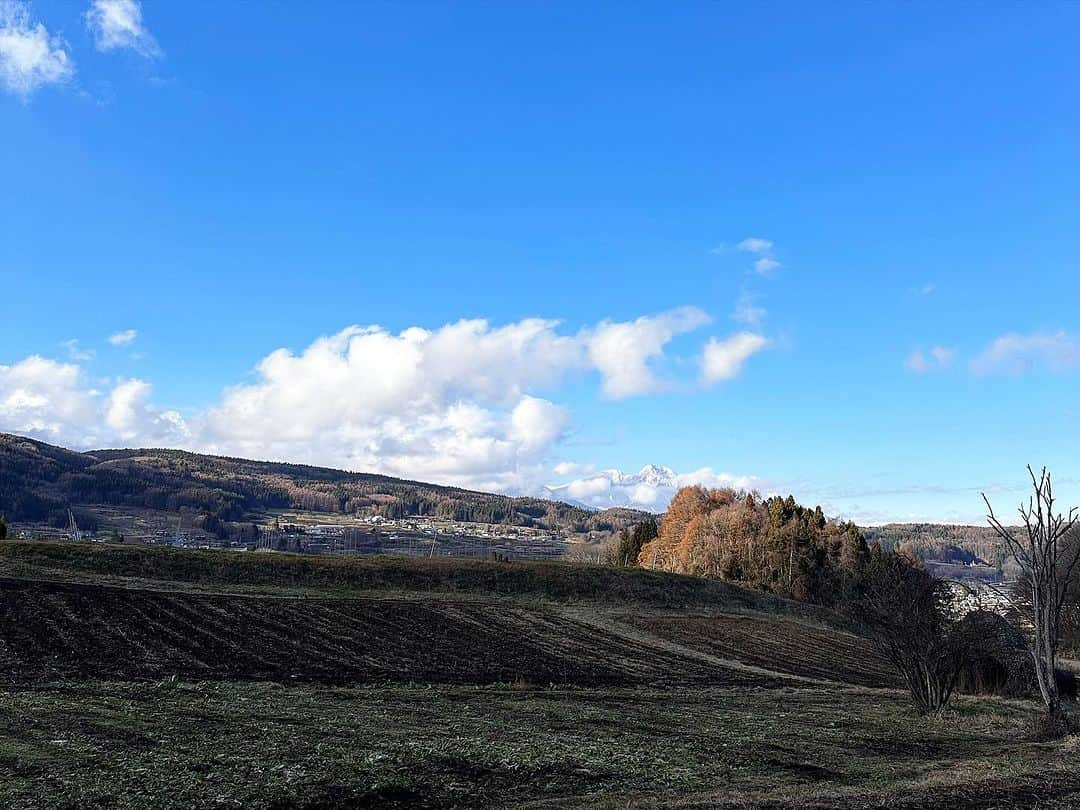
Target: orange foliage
[772, 544]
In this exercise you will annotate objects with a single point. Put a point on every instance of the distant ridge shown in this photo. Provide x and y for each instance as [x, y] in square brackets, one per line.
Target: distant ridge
[39, 481]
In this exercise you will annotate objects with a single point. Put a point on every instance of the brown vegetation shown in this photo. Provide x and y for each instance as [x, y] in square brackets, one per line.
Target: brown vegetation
[774, 544]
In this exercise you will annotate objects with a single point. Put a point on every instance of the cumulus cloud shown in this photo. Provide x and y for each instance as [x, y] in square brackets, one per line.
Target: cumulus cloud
[453, 404]
[724, 359]
[50, 400]
[56, 402]
[123, 338]
[537, 423]
[130, 417]
[449, 404]
[30, 57]
[1016, 353]
[621, 352]
[937, 359]
[466, 403]
[119, 24]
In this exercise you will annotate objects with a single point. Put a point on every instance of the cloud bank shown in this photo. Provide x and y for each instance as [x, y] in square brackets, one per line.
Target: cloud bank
[468, 403]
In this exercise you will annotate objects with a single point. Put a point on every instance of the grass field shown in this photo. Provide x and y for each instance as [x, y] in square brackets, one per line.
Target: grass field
[181, 745]
[134, 678]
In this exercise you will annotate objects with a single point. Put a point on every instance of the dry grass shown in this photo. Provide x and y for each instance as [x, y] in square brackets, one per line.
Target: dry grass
[532, 580]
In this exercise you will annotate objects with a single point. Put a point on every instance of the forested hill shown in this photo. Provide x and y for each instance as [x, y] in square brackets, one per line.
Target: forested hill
[934, 542]
[39, 482]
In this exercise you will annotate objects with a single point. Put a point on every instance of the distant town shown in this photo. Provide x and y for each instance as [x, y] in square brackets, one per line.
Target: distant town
[311, 533]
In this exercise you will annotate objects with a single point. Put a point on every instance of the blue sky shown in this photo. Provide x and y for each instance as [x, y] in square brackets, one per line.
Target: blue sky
[230, 181]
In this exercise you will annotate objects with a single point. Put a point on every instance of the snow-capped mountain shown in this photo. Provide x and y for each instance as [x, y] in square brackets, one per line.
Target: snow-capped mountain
[650, 488]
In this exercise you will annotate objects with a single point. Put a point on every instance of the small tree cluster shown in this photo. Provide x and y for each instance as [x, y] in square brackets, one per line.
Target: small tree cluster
[632, 540]
[907, 612]
[771, 544]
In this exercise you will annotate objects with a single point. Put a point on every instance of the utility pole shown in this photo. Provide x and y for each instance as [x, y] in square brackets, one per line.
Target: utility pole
[73, 527]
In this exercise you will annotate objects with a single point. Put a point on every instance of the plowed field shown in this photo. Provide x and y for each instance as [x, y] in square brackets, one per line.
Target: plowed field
[65, 631]
[777, 644]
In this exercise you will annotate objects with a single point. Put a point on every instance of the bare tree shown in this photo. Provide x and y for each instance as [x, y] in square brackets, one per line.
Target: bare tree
[1048, 564]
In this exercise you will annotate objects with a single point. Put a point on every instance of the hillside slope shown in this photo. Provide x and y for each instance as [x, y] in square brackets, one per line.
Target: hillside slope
[74, 611]
[39, 482]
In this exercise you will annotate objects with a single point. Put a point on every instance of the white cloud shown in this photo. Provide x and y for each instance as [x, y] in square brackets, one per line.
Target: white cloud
[651, 488]
[30, 57]
[123, 338]
[754, 244]
[766, 265]
[763, 249]
[49, 400]
[130, 417]
[724, 359]
[565, 468]
[937, 359]
[927, 288]
[537, 423]
[463, 404]
[621, 351]
[1015, 353]
[455, 404]
[55, 402]
[119, 24]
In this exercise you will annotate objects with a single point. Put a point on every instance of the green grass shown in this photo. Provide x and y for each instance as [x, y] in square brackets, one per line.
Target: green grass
[182, 745]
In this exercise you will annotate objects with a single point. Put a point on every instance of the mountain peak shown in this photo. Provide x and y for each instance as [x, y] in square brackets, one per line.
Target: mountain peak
[655, 474]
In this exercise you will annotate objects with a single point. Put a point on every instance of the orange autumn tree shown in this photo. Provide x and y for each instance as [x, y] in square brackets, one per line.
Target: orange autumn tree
[772, 544]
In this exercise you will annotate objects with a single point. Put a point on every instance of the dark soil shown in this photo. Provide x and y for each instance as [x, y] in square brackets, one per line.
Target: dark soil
[74, 631]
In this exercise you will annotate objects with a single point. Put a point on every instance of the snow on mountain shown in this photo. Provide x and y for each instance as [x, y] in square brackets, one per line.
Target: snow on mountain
[650, 488]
